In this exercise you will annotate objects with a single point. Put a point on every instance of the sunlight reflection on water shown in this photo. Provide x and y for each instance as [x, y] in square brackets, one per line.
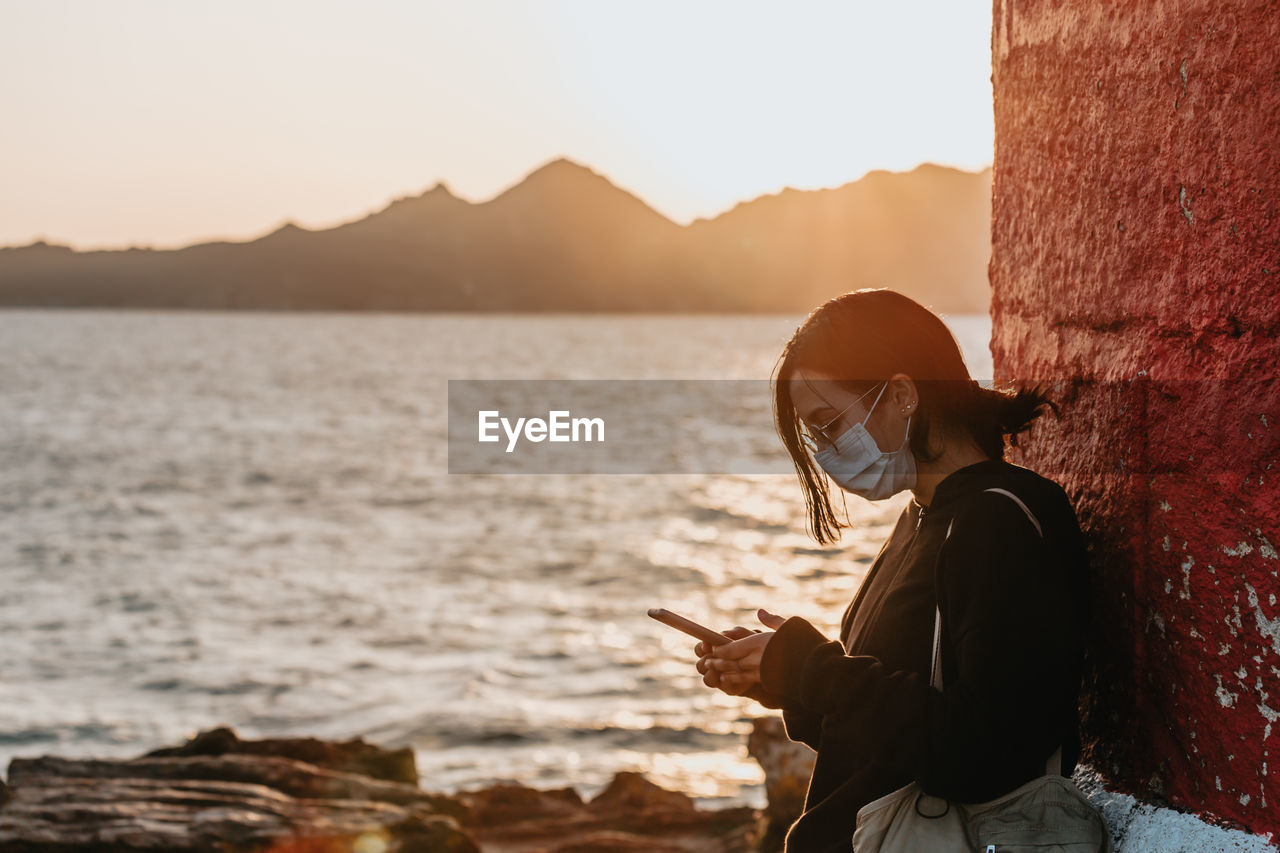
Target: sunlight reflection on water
[243, 519]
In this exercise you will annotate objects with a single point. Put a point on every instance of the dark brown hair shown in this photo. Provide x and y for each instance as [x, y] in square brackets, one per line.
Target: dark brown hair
[864, 337]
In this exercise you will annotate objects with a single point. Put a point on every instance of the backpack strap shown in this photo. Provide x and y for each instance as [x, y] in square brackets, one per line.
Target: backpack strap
[1053, 766]
[1030, 515]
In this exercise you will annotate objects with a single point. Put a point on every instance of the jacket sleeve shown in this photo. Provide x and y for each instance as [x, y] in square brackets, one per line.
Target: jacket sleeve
[1007, 618]
[802, 725]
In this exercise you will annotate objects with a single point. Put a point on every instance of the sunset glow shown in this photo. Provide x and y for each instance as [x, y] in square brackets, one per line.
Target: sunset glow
[163, 124]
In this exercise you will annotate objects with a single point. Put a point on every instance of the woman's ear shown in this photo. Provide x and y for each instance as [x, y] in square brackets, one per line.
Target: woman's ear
[902, 395]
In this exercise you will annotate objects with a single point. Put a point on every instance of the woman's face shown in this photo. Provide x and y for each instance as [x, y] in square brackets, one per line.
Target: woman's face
[827, 409]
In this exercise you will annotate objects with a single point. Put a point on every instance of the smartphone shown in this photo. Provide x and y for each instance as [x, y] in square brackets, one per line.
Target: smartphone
[693, 629]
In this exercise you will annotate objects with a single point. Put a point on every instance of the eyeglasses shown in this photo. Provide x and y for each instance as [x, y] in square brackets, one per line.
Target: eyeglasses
[820, 436]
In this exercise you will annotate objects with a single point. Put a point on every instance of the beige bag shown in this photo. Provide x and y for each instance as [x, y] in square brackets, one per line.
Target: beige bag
[1047, 814]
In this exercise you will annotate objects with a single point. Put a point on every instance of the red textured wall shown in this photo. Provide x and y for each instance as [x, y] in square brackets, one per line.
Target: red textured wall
[1136, 265]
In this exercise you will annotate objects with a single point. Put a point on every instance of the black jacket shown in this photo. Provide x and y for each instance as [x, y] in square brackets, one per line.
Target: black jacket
[1015, 607]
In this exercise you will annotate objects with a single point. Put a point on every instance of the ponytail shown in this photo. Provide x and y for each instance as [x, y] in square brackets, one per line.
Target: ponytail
[995, 418]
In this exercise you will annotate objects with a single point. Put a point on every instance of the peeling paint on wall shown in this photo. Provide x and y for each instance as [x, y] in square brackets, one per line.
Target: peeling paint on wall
[1136, 267]
[1225, 697]
[1268, 628]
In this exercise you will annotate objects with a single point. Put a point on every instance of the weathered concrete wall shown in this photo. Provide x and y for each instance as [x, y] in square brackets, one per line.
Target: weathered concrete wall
[1136, 265]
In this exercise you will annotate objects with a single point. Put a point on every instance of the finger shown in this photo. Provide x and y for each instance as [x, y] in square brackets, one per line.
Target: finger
[699, 650]
[736, 649]
[737, 632]
[702, 666]
[770, 620]
[721, 665]
[737, 683]
[723, 684]
[711, 679]
[729, 651]
[748, 663]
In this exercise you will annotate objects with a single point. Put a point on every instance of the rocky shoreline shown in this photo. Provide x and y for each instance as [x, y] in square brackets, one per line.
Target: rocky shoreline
[218, 793]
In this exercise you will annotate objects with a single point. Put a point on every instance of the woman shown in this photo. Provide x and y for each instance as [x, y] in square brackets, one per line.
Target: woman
[872, 390]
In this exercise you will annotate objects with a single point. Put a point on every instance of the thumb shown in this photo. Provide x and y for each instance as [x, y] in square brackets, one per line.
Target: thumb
[770, 620]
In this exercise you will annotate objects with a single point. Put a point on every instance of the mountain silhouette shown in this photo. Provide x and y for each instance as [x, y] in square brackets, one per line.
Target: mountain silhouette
[563, 239]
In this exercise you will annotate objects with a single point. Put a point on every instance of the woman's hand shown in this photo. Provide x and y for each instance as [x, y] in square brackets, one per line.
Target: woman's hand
[735, 667]
[710, 676]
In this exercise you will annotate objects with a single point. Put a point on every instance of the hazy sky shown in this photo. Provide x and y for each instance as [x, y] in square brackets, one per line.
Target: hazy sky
[166, 122]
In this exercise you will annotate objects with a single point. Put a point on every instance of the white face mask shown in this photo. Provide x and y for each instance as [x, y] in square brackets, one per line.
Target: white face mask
[857, 465]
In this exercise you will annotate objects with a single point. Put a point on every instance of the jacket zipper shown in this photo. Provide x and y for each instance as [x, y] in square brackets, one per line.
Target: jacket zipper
[906, 558]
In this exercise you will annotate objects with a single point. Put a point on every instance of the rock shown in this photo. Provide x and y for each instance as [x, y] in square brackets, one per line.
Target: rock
[352, 756]
[629, 792]
[787, 768]
[220, 794]
[289, 777]
[617, 842]
[505, 804]
[207, 816]
[184, 800]
[630, 814]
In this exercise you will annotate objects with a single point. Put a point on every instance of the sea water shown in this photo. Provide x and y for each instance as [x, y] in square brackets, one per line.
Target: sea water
[245, 519]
